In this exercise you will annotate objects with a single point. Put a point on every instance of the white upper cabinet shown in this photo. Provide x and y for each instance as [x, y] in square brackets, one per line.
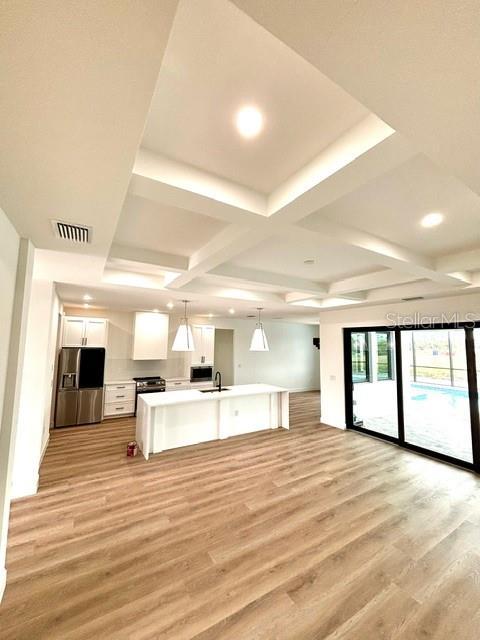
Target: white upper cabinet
[95, 332]
[73, 332]
[150, 336]
[84, 332]
[204, 342]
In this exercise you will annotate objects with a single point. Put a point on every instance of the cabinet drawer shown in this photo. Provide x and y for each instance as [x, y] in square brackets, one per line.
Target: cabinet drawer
[119, 395]
[121, 386]
[119, 408]
[180, 384]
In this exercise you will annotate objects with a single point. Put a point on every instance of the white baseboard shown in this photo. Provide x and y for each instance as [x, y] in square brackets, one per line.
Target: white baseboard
[330, 423]
[44, 448]
[3, 581]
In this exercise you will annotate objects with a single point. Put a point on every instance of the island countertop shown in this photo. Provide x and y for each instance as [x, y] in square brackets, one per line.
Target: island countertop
[166, 398]
[171, 419]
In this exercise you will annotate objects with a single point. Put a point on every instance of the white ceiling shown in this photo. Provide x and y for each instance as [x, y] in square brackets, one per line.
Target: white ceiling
[227, 222]
[158, 227]
[280, 255]
[415, 64]
[393, 205]
[76, 81]
[219, 60]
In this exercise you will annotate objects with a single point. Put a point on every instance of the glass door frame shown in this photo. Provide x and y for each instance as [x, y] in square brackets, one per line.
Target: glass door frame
[400, 440]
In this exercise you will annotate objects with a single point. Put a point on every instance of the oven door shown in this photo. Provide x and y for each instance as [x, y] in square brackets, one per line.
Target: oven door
[201, 374]
[147, 390]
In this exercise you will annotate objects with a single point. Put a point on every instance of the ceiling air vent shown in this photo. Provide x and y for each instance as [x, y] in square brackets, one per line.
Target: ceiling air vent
[72, 232]
[413, 298]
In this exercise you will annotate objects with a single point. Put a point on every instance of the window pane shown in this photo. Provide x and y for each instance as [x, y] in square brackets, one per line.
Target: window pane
[384, 356]
[435, 399]
[375, 394]
[359, 357]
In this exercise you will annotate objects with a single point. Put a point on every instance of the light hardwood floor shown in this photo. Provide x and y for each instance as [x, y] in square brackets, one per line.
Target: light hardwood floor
[308, 534]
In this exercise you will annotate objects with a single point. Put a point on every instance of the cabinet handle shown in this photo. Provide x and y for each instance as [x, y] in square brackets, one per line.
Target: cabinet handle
[122, 387]
[119, 408]
[119, 396]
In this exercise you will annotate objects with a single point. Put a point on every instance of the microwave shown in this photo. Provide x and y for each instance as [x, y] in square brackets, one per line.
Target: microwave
[201, 374]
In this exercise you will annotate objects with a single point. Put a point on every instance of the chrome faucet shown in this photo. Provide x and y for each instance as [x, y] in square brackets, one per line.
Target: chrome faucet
[219, 376]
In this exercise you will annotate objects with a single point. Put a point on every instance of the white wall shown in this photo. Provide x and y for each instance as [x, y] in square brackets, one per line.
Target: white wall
[292, 360]
[455, 308]
[9, 247]
[35, 390]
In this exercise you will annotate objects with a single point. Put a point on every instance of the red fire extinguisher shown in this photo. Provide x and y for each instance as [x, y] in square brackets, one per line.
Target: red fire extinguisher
[132, 448]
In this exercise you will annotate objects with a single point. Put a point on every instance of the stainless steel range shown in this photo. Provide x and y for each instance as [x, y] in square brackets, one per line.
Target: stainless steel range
[149, 384]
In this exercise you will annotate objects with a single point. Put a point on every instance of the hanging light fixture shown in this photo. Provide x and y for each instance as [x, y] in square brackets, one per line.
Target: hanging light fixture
[184, 338]
[259, 339]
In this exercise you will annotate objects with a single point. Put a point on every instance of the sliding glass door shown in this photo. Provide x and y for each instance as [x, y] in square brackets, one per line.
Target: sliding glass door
[416, 387]
[373, 384]
[436, 404]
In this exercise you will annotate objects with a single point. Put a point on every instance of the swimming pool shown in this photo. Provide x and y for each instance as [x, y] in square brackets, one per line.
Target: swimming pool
[432, 391]
[438, 418]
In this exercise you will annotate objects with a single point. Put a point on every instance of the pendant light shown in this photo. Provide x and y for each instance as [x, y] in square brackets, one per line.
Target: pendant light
[259, 339]
[184, 338]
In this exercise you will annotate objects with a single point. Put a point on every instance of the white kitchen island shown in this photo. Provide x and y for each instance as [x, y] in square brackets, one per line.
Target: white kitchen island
[180, 418]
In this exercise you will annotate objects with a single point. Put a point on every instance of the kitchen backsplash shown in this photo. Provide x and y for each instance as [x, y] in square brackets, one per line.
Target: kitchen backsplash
[124, 369]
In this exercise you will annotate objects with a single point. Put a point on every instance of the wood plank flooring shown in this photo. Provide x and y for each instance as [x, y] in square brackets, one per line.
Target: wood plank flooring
[309, 534]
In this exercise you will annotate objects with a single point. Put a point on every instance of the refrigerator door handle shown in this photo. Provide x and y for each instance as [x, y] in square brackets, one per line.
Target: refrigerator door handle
[77, 375]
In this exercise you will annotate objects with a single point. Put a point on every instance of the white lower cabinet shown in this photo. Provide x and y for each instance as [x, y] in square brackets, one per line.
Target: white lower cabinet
[179, 384]
[119, 399]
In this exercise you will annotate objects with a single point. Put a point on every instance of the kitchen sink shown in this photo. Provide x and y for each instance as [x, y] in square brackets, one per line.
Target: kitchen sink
[214, 390]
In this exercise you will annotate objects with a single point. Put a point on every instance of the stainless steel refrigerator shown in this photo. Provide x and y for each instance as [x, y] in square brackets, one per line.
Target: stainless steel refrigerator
[79, 386]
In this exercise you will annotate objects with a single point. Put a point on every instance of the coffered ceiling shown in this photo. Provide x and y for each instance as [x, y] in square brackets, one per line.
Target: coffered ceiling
[370, 123]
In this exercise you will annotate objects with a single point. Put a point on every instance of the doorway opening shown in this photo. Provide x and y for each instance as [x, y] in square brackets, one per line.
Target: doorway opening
[223, 354]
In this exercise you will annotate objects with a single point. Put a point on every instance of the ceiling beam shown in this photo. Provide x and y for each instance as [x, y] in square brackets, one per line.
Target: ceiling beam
[229, 242]
[384, 278]
[314, 187]
[266, 278]
[204, 288]
[383, 252]
[166, 181]
[162, 260]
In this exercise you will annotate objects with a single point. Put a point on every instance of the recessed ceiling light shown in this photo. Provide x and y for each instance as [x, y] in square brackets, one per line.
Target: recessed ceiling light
[309, 261]
[249, 122]
[170, 305]
[156, 310]
[85, 306]
[231, 311]
[86, 297]
[431, 219]
[210, 315]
